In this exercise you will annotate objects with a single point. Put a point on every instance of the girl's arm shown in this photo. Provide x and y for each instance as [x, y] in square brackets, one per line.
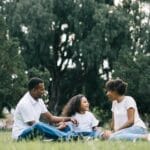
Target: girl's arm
[130, 122]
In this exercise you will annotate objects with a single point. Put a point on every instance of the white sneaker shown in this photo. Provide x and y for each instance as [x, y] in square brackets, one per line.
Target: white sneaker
[89, 138]
[48, 140]
[134, 140]
[148, 137]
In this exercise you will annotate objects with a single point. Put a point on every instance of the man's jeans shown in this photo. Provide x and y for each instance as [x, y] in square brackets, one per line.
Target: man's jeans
[45, 131]
[130, 134]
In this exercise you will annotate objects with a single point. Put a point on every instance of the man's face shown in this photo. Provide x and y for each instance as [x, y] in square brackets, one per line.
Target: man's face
[39, 90]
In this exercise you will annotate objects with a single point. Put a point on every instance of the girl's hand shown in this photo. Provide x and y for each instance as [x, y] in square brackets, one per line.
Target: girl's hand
[106, 134]
[74, 121]
[95, 128]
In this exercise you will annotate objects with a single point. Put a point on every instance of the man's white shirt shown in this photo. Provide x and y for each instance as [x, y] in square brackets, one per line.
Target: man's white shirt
[27, 110]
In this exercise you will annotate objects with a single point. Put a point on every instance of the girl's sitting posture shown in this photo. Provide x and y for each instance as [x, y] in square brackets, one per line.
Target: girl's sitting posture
[78, 108]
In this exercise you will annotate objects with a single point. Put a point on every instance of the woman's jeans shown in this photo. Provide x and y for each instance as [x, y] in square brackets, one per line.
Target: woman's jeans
[130, 134]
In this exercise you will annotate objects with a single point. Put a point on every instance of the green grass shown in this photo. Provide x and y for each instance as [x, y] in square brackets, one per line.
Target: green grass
[6, 143]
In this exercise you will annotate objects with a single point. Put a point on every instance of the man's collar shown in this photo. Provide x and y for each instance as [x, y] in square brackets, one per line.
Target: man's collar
[33, 101]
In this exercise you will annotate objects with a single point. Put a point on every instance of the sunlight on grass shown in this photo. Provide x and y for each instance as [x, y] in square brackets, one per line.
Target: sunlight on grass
[6, 143]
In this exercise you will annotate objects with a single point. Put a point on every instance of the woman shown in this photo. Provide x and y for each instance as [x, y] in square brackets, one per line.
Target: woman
[126, 122]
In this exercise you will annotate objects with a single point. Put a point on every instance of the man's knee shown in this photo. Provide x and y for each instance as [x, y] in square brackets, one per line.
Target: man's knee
[39, 125]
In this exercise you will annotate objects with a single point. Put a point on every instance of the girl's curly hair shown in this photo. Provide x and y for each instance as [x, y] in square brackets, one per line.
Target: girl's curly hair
[72, 106]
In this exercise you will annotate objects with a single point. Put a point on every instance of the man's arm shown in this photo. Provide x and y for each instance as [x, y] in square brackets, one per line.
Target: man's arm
[54, 119]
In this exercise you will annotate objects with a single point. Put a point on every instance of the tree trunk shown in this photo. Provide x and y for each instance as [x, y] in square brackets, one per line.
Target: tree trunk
[54, 95]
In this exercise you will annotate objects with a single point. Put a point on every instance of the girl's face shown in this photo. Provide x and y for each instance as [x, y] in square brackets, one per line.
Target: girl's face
[112, 95]
[84, 105]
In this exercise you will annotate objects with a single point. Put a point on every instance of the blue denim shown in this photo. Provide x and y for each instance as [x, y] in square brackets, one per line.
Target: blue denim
[130, 134]
[92, 134]
[46, 131]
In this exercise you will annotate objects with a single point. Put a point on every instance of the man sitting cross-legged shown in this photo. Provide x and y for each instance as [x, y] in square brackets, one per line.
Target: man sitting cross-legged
[28, 112]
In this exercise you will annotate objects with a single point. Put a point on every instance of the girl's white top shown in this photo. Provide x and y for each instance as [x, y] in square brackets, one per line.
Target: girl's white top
[86, 122]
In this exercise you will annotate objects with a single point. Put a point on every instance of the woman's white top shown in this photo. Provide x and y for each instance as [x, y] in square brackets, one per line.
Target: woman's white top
[120, 112]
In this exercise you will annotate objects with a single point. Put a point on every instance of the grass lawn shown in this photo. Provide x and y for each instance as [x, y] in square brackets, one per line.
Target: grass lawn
[6, 143]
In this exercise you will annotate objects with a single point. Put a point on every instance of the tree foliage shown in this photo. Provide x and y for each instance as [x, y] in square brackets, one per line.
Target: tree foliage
[133, 63]
[54, 30]
[11, 69]
[66, 43]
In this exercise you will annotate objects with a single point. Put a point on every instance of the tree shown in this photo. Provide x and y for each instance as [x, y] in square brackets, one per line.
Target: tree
[50, 33]
[136, 74]
[11, 69]
[133, 63]
[71, 39]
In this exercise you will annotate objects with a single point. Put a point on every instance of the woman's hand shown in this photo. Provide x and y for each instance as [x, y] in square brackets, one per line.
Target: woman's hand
[106, 134]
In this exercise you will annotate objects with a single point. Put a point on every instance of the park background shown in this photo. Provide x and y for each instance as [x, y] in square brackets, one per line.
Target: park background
[75, 46]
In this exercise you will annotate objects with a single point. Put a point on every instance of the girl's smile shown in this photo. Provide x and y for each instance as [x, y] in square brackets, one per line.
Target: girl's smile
[84, 105]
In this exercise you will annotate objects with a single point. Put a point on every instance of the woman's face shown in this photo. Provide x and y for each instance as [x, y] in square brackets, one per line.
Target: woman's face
[84, 105]
[112, 95]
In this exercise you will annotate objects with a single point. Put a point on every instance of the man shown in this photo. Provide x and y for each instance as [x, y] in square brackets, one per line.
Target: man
[28, 112]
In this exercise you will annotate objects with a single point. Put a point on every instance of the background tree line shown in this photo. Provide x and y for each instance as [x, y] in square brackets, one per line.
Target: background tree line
[66, 43]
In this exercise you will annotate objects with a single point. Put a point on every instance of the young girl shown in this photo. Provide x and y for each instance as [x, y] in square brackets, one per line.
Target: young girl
[126, 122]
[78, 108]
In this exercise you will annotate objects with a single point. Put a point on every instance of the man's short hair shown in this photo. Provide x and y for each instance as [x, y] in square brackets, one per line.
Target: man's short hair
[34, 82]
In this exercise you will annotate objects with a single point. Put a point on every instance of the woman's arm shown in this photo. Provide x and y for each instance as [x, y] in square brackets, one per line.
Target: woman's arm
[130, 122]
[106, 134]
[112, 122]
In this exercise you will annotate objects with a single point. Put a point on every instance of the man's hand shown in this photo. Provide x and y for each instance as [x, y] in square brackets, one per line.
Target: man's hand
[61, 125]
